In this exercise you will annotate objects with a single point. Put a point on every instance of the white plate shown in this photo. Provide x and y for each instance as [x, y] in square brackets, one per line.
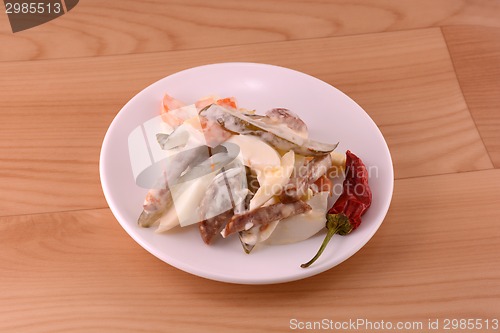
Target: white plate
[330, 115]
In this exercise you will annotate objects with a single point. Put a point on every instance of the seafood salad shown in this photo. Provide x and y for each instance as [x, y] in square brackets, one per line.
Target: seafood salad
[231, 172]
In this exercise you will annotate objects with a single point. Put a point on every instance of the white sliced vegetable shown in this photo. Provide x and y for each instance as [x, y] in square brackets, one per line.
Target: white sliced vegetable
[272, 180]
[338, 159]
[186, 197]
[256, 235]
[255, 153]
[168, 221]
[300, 227]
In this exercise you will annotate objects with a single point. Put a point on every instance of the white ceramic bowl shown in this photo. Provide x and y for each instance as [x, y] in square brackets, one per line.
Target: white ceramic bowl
[331, 116]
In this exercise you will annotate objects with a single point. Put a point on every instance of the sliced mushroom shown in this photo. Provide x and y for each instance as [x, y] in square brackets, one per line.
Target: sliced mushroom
[278, 136]
[288, 118]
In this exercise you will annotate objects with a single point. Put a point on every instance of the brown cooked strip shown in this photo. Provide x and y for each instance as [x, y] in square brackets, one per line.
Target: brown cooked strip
[219, 196]
[265, 215]
[212, 227]
[305, 177]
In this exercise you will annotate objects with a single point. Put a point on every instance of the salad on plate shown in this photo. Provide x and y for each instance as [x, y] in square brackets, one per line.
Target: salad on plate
[231, 172]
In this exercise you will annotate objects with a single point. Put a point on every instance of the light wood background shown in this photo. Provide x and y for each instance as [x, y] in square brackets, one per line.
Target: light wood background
[427, 72]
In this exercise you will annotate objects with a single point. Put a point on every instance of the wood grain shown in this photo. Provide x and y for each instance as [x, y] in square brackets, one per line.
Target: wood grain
[55, 112]
[435, 256]
[97, 27]
[476, 55]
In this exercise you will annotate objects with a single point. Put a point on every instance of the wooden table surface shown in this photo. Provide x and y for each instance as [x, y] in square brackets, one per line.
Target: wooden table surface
[427, 72]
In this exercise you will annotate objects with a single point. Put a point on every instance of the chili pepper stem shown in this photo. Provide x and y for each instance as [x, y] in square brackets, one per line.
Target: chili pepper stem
[329, 236]
[335, 223]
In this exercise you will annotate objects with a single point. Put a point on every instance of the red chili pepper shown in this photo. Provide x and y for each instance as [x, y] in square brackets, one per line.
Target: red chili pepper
[356, 198]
